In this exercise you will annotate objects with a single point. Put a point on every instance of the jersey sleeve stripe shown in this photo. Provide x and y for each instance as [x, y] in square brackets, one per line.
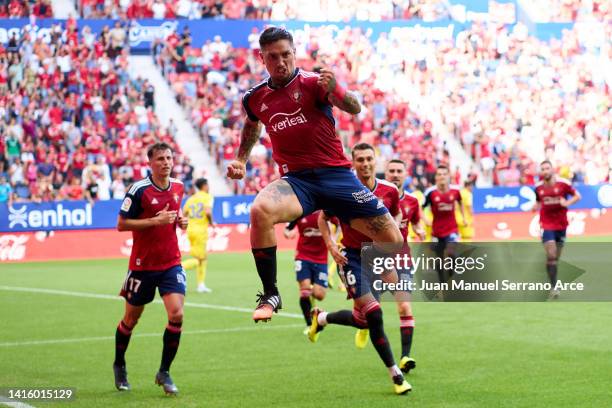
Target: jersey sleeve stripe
[138, 185]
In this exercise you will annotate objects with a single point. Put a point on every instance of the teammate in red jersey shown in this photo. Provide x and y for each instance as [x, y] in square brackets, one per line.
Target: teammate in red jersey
[442, 198]
[296, 108]
[553, 196]
[151, 210]
[366, 313]
[310, 261]
[410, 208]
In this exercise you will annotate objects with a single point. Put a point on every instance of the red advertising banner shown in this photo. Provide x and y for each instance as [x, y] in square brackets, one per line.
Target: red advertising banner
[97, 244]
[493, 227]
[100, 244]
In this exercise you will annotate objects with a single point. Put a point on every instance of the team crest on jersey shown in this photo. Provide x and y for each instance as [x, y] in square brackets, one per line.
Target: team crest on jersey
[436, 198]
[556, 190]
[264, 107]
[154, 201]
[297, 95]
[176, 198]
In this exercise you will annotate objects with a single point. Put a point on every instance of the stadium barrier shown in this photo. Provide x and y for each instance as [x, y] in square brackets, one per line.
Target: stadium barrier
[80, 230]
[108, 243]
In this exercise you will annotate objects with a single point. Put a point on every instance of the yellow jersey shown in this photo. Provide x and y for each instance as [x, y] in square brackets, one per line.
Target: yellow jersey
[195, 209]
[467, 200]
[425, 214]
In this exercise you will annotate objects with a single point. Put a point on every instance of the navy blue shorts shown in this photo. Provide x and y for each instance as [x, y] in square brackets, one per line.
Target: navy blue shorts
[337, 191]
[139, 286]
[356, 280]
[439, 243]
[554, 235]
[454, 237]
[316, 272]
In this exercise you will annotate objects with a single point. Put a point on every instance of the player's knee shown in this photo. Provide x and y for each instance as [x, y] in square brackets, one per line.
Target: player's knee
[262, 213]
[374, 317]
[305, 293]
[551, 260]
[130, 321]
[404, 309]
[176, 316]
[319, 293]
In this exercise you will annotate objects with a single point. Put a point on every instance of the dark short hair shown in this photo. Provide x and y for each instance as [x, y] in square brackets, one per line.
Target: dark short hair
[157, 147]
[362, 146]
[201, 182]
[397, 161]
[442, 167]
[273, 34]
[546, 162]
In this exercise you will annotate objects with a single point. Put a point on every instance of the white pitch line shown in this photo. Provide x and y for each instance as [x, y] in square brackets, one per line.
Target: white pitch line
[112, 297]
[14, 404]
[105, 338]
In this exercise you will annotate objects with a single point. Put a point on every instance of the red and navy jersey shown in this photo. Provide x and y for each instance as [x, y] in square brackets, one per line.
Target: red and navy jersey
[553, 216]
[411, 213]
[310, 245]
[388, 196]
[443, 210]
[298, 117]
[155, 248]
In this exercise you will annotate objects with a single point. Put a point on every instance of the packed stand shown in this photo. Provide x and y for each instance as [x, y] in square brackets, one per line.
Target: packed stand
[73, 124]
[513, 101]
[566, 11]
[509, 99]
[23, 8]
[278, 10]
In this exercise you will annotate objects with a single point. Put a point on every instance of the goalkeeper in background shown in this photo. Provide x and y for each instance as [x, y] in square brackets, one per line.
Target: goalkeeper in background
[198, 209]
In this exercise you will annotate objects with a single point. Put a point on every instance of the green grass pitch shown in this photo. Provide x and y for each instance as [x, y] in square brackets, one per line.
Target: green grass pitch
[468, 354]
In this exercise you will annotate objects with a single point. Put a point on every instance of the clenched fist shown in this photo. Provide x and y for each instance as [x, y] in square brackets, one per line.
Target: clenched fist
[327, 80]
[236, 170]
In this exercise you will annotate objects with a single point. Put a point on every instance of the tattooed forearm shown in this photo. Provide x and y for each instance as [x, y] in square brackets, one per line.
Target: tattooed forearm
[248, 138]
[349, 104]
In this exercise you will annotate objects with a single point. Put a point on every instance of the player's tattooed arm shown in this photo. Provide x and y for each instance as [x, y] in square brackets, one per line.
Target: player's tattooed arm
[250, 134]
[349, 103]
[338, 97]
[248, 138]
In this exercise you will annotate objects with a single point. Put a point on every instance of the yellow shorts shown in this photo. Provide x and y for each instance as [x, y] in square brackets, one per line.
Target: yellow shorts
[198, 239]
[466, 233]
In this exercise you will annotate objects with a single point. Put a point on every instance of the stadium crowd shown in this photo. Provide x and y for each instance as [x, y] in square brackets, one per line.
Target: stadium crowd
[22, 8]
[565, 11]
[509, 99]
[74, 124]
[278, 10]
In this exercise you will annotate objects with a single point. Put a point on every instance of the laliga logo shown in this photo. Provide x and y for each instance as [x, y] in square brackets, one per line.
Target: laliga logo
[139, 33]
[58, 217]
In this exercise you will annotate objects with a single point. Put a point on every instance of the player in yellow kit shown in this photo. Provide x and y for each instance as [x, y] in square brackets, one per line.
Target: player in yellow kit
[466, 230]
[426, 214]
[198, 209]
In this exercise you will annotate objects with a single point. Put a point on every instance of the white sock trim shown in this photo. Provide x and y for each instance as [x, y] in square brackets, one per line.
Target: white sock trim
[322, 319]
[394, 370]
